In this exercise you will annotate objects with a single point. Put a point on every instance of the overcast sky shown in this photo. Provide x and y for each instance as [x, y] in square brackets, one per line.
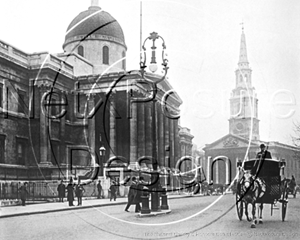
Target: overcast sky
[203, 40]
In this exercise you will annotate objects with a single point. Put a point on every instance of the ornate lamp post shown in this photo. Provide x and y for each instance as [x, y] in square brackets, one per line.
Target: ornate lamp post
[102, 155]
[153, 67]
[153, 64]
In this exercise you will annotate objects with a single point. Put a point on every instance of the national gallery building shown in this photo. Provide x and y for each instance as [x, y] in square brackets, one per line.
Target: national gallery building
[61, 114]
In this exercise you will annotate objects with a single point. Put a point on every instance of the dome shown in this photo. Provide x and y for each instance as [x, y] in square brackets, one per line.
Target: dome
[100, 24]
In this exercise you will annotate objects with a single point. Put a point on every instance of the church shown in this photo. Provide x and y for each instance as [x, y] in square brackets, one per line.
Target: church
[243, 140]
[63, 114]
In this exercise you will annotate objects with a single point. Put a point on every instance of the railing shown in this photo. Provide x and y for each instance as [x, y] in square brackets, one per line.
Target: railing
[38, 190]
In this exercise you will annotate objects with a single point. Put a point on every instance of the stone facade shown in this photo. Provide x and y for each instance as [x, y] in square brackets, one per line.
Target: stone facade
[58, 110]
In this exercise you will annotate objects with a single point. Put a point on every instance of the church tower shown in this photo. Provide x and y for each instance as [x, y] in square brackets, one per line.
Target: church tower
[243, 119]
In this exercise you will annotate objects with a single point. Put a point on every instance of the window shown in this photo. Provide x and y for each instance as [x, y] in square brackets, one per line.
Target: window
[124, 60]
[81, 51]
[21, 103]
[2, 149]
[105, 52]
[21, 151]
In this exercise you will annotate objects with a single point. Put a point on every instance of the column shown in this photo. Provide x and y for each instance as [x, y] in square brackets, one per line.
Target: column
[227, 166]
[112, 127]
[161, 141]
[141, 129]
[91, 127]
[167, 140]
[148, 129]
[208, 169]
[176, 141]
[217, 171]
[133, 134]
[172, 145]
[44, 135]
[62, 132]
[155, 126]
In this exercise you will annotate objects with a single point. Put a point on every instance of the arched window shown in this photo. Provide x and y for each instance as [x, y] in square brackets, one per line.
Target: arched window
[124, 60]
[81, 51]
[246, 77]
[241, 78]
[105, 52]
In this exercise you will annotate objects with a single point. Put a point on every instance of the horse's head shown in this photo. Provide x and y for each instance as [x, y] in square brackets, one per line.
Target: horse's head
[247, 181]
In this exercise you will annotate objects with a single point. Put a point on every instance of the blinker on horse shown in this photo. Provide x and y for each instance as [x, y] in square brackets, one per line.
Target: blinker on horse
[252, 189]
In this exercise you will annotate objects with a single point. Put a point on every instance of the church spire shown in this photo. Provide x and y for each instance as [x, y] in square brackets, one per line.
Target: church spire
[243, 60]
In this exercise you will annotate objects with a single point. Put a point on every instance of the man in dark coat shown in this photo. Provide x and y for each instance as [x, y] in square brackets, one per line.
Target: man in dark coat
[132, 193]
[61, 189]
[263, 154]
[113, 191]
[138, 198]
[70, 195]
[260, 156]
[99, 188]
[79, 193]
[23, 193]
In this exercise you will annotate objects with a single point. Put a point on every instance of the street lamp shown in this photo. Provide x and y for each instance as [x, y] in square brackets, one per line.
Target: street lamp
[102, 154]
[153, 68]
[153, 64]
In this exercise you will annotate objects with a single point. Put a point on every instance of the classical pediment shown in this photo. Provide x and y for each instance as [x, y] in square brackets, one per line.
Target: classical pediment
[229, 141]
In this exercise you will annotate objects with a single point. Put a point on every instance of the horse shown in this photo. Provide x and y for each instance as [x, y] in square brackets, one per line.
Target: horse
[252, 189]
[290, 186]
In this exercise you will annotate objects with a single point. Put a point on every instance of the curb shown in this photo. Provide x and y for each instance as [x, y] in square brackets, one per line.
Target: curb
[89, 206]
[60, 210]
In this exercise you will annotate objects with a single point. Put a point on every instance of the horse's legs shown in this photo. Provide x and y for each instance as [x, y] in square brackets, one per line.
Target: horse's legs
[260, 214]
[246, 212]
[253, 215]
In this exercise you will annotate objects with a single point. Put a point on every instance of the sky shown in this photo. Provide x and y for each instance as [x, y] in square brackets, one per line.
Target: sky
[203, 40]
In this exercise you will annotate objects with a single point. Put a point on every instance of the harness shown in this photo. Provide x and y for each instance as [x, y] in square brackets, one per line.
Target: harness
[256, 185]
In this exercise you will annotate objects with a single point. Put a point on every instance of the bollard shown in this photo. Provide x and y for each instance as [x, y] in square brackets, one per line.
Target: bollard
[145, 201]
[155, 200]
[164, 199]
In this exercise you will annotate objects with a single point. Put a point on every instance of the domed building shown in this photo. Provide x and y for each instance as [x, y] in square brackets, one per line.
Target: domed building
[62, 109]
[97, 39]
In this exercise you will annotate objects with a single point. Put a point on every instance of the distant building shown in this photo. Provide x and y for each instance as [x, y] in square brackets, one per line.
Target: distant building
[243, 140]
[186, 145]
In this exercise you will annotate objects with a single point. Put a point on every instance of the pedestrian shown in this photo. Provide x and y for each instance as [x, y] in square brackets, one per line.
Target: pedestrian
[70, 194]
[113, 191]
[99, 188]
[23, 193]
[139, 192]
[61, 189]
[132, 193]
[264, 153]
[79, 193]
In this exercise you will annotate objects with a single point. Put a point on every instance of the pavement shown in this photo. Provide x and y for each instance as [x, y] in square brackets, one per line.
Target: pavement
[48, 207]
